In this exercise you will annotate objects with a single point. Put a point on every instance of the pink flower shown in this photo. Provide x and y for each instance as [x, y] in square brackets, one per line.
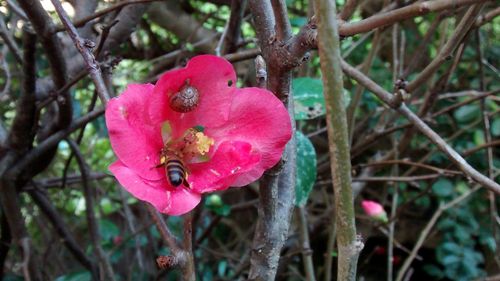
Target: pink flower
[168, 155]
[374, 210]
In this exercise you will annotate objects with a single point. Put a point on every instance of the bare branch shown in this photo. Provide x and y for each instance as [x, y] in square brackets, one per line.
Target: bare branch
[447, 50]
[414, 10]
[422, 127]
[89, 210]
[84, 47]
[81, 22]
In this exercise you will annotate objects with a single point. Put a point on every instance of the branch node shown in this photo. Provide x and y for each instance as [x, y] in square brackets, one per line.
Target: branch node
[167, 262]
[88, 44]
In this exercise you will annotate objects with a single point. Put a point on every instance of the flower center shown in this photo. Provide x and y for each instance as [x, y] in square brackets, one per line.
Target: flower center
[191, 147]
[195, 144]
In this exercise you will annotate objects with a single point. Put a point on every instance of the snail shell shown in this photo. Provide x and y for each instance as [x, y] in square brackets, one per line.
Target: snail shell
[185, 100]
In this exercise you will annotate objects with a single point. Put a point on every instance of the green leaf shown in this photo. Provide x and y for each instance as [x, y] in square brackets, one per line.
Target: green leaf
[215, 204]
[489, 242]
[448, 260]
[76, 276]
[108, 229]
[221, 268]
[467, 113]
[298, 21]
[495, 127]
[308, 98]
[306, 169]
[10, 277]
[443, 188]
[478, 137]
[433, 270]
[189, 47]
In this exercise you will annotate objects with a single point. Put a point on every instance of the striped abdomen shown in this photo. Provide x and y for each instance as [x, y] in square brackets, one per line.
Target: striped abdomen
[176, 172]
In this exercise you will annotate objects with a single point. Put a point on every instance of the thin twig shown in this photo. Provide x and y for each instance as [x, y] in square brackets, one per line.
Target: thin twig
[425, 232]
[46, 206]
[84, 47]
[53, 140]
[81, 22]
[9, 41]
[416, 164]
[417, 9]
[422, 127]
[305, 244]
[447, 50]
[89, 208]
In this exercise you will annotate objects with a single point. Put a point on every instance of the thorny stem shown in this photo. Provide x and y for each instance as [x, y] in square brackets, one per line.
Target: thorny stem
[340, 160]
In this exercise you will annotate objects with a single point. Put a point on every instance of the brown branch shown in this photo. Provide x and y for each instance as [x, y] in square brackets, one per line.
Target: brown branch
[179, 257]
[405, 13]
[415, 164]
[5, 241]
[446, 52]
[398, 179]
[78, 140]
[89, 211]
[364, 144]
[367, 64]
[305, 243]
[46, 206]
[419, 52]
[488, 17]
[468, 152]
[84, 47]
[23, 127]
[422, 127]
[19, 140]
[348, 9]
[426, 231]
[17, 10]
[43, 26]
[9, 41]
[81, 22]
[188, 270]
[460, 104]
[52, 141]
[233, 30]
[11, 206]
[276, 190]
[242, 55]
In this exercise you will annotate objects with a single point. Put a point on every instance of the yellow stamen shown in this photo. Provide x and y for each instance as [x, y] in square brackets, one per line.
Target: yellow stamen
[203, 143]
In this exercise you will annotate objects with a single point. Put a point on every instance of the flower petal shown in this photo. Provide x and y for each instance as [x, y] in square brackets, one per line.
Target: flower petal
[258, 117]
[231, 159]
[210, 75]
[172, 201]
[135, 140]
